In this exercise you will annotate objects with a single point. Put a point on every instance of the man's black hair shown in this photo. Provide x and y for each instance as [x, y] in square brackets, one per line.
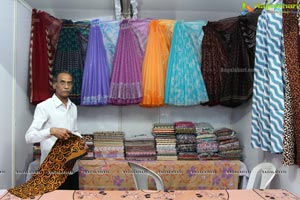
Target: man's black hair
[61, 72]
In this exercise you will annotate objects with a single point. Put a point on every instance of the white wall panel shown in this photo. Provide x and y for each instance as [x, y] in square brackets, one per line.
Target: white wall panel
[100, 118]
[186, 15]
[6, 83]
[135, 120]
[81, 14]
[241, 123]
[23, 110]
[138, 120]
[218, 116]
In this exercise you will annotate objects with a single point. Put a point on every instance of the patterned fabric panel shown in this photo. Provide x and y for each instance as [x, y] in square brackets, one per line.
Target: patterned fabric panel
[163, 195]
[291, 48]
[71, 52]
[54, 170]
[268, 93]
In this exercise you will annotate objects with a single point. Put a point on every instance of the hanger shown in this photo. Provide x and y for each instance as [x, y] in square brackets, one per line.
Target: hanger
[277, 1]
[273, 8]
[274, 2]
[266, 2]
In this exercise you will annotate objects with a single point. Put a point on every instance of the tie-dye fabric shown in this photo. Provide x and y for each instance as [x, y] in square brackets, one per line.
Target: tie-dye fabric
[184, 81]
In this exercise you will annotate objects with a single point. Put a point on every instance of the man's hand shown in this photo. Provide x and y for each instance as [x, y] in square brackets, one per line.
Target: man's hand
[60, 133]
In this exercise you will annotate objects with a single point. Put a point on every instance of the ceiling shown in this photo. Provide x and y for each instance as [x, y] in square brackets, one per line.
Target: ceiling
[161, 9]
[192, 5]
[71, 4]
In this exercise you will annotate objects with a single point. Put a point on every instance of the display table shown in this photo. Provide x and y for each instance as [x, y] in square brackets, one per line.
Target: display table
[176, 175]
[157, 195]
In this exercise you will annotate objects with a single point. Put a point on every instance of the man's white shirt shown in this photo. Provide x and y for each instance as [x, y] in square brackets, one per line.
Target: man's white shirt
[51, 113]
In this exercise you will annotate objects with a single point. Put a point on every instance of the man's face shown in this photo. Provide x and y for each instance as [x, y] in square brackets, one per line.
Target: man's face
[63, 86]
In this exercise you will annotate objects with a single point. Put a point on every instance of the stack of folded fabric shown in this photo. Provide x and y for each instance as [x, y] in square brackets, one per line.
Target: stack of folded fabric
[109, 145]
[140, 149]
[229, 145]
[89, 140]
[207, 145]
[164, 135]
[186, 140]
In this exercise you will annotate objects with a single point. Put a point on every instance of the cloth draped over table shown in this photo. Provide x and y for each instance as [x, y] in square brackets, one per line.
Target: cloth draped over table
[184, 174]
[160, 195]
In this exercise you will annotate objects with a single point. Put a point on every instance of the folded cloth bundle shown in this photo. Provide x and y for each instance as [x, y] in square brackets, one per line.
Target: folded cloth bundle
[204, 128]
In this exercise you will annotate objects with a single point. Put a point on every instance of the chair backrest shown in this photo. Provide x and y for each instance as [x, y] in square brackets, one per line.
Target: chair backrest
[140, 176]
[267, 171]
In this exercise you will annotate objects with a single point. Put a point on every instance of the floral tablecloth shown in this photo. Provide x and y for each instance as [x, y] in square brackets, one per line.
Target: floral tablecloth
[162, 195]
[176, 175]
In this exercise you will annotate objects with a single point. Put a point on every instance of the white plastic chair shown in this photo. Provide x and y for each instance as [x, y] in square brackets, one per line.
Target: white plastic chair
[140, 176]
[267, 172]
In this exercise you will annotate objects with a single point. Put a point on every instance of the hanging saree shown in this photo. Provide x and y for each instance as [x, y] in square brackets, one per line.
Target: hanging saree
[110, 32]
[95, 82]
[184, 81]
[268, 86]
[156, 61]
[291, 49]
[125, 85]
[45, 30]
[70, 54]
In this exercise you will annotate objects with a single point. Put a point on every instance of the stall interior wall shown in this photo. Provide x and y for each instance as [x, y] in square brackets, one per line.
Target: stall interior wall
[132, 120]
[6, 81]
[23, 110]
[16, 112]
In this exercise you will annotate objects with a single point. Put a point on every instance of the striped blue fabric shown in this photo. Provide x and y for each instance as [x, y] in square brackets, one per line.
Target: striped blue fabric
[268, 88]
